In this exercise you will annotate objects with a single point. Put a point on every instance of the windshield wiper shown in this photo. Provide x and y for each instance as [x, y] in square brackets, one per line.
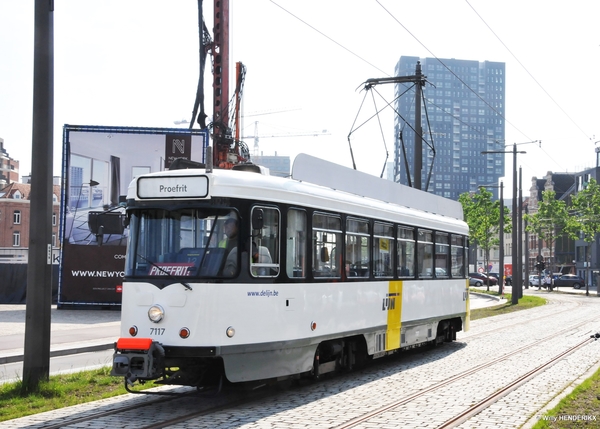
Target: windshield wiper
[171, 276]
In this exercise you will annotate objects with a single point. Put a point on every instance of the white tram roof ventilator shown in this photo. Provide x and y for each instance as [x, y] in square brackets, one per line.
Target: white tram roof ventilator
[254, 168]
[183, 164]
[314, 170]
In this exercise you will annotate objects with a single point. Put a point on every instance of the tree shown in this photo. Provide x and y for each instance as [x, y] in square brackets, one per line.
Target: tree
[550, 219]
[585, 220]
[483, 217]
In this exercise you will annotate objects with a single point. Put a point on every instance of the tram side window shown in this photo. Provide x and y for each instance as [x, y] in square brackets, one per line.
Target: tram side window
[383, 250]
[264, 257]
[425, 253]
[406, 252]
[296, 244]
[327, 240]
[442, 254]
[357, 248]
[458, 260]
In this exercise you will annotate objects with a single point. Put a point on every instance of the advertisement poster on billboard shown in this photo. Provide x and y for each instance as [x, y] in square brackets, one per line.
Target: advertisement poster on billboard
[98, 164]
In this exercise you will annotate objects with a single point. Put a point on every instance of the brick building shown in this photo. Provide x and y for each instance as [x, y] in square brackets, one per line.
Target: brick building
[14, 221]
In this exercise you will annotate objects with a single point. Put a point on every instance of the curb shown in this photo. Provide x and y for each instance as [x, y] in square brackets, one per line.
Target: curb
[487, 295]
[64, 352]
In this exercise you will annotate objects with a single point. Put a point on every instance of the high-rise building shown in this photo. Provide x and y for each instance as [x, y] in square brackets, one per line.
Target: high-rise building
[462, 116]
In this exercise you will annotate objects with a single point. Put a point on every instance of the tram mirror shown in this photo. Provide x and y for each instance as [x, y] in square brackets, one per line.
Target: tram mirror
[324, 254]
[100, 235]
[257, 219]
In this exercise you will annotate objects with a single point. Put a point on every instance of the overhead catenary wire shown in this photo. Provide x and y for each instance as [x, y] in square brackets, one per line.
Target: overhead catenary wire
[377, 111]
[488, 105]
[377, 68]
[329, 38]
[474, 92]
[382, 135]
[527, 71]
[449, 69]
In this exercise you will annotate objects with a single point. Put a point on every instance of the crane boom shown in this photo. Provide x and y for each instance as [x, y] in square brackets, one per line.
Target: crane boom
[256, 136]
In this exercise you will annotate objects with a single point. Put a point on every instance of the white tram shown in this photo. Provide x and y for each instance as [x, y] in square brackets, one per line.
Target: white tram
[319, 276]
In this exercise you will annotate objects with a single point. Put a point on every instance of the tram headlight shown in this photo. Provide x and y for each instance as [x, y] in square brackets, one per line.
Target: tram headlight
[230, 332]
[156, 313]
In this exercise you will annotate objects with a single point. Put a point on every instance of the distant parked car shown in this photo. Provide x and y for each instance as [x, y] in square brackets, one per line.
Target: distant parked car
[497, 275]
[507, 279]
[534, 280]
[475, 282]
[479, 279]
[569, 280]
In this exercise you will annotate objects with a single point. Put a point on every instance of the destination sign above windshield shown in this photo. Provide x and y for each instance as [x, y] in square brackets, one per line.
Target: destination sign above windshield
[172, 187]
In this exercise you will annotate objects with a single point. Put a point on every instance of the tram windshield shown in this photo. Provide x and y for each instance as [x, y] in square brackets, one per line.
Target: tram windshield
[182, 243]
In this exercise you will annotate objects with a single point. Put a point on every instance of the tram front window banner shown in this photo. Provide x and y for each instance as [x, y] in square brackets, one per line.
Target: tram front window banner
[182, 243]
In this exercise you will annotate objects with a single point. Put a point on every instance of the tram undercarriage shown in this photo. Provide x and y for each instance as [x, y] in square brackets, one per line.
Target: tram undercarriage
[188, 367]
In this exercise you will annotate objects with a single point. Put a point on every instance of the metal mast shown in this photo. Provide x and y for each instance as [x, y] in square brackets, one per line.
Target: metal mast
[221, 131]
[419, 80]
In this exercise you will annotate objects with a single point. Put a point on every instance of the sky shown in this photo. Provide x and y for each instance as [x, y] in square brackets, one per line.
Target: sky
[136, 63]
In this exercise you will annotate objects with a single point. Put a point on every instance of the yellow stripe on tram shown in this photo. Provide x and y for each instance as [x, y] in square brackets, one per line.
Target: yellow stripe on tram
[394, 313]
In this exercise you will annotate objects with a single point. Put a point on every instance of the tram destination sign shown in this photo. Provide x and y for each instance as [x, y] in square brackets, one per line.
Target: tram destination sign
[172, 187]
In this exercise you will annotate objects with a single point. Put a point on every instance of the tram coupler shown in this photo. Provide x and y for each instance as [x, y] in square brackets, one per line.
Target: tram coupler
[138, 359]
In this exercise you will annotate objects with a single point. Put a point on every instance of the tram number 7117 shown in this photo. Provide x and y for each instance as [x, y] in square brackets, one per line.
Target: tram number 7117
[157, 331]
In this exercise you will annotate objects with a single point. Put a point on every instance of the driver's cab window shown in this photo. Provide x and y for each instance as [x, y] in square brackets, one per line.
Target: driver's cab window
[187, 242]
[264, 243]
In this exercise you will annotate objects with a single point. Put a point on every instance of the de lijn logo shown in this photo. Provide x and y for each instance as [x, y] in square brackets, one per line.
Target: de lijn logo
[389, 302]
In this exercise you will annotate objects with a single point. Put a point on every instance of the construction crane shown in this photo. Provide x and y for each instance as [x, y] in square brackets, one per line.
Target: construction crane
[256, 137]
[228, 147]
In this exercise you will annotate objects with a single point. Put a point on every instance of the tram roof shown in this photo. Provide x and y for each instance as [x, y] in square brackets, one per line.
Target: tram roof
[325, 173]
[322, 184]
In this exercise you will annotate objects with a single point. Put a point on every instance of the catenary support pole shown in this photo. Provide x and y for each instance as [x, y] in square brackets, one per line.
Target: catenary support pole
[516, 281]
[501, 255]
[418, 163]
[36, 360]
[526, 249]
[520, 222]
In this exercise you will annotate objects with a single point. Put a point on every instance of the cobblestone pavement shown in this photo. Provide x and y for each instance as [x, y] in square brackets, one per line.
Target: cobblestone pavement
[334, 401]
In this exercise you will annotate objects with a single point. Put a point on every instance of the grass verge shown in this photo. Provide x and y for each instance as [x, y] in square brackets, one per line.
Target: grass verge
[525, 303]
[60, 391]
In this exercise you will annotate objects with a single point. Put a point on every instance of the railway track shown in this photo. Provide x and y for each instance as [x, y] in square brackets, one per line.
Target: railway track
[411, 379]
[475, 408]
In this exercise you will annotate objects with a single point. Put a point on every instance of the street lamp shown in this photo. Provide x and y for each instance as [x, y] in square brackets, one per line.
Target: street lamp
[517, 280]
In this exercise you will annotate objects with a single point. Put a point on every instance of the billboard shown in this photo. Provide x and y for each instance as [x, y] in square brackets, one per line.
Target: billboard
[98, 163]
